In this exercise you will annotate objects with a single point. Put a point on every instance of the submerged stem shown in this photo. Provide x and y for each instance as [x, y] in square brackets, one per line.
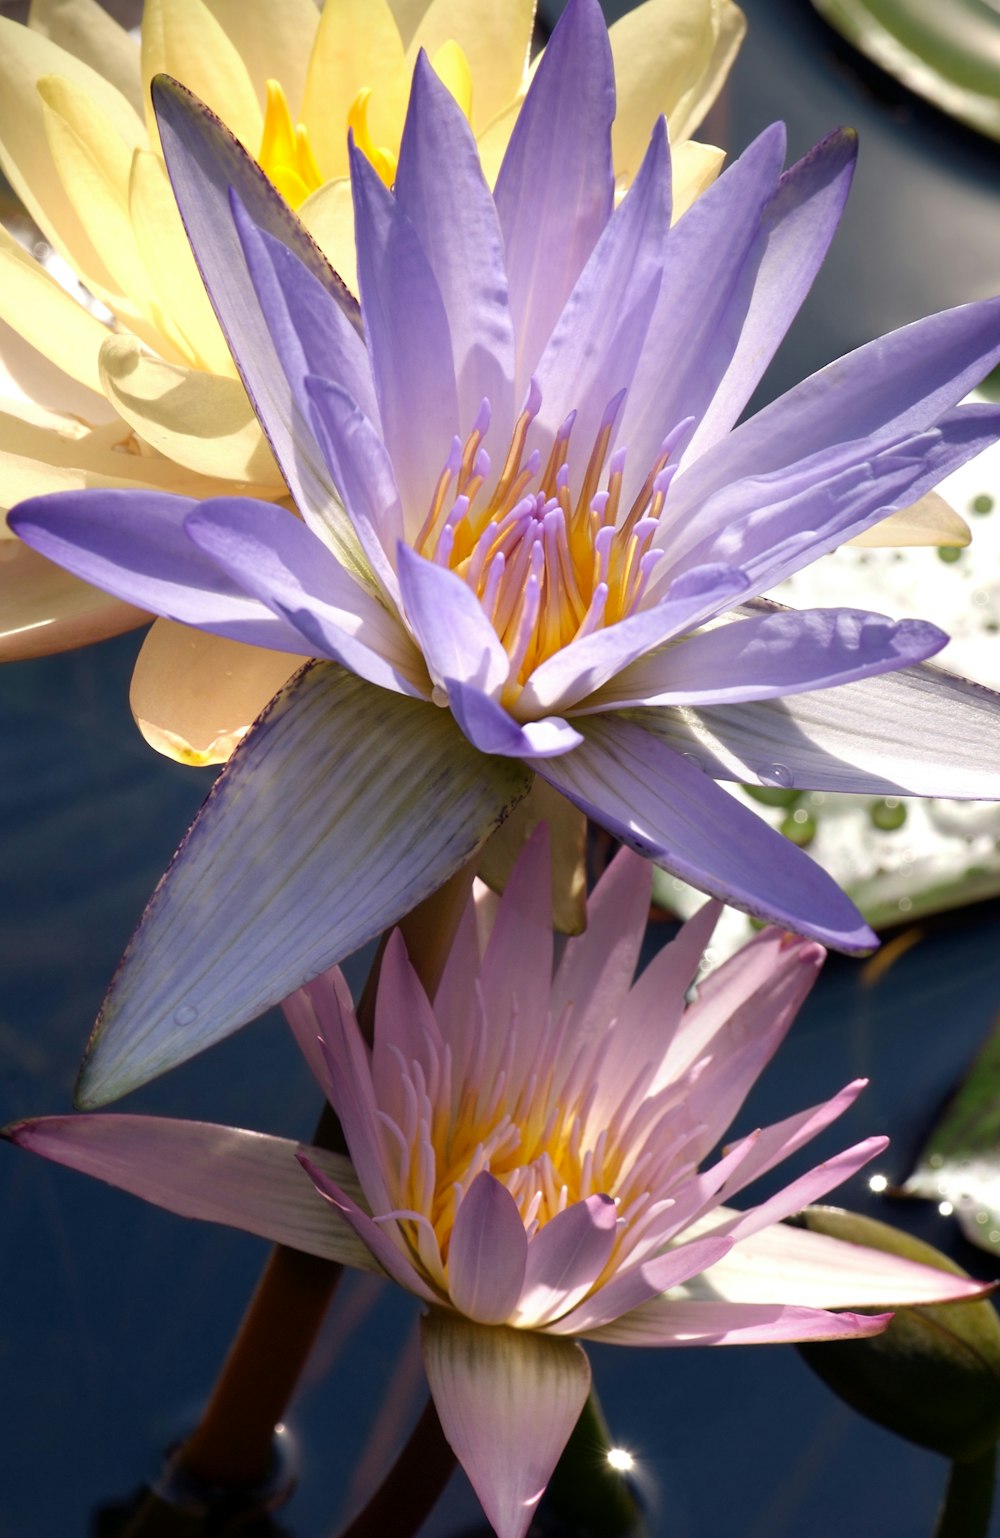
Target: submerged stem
[408, 1493]
[968, 1501]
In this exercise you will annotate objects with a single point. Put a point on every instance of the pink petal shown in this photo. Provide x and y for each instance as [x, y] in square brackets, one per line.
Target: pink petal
[389, 1256]
[246, 1180]
[508, 1400]
[349, 1070]
[565, 1258]
[405, 1028]
[810, 1187]
[302, 1011]
[792, 1266]
[516, 972]
[669, 1323]
[598, 966]
[782, 1139]
[640, 1283]
[488, 1252]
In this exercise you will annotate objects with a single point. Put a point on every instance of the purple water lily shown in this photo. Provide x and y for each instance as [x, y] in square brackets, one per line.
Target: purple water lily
[531, 1155]
[526, 516]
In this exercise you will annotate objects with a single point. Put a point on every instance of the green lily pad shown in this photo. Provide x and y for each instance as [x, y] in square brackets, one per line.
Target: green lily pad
[947, 53]
[960, 1162]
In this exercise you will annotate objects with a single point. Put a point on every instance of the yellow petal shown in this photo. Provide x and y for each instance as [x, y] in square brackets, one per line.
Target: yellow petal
[44, 610]
[194, 696]
[274, 38]
[25, 57]
[329, 217]
[567, 834]
[93, 161]
[452, 68]
[164, 247]
[931, 521]
[84, 29]
[495, 40]
[694, 167]
[671, 56]
[41, 311]
[182, 38]
[493, 141]
[203, 421]
[357, 48]
[60, 455]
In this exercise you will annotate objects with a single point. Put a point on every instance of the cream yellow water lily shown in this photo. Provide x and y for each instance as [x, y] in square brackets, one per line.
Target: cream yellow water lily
[141, 390]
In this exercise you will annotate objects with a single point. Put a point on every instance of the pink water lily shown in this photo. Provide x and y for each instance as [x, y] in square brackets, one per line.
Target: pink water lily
[532, 1156]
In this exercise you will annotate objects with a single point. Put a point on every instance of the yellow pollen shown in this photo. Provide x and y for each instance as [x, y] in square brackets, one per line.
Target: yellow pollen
[285, 152]
[548, 560]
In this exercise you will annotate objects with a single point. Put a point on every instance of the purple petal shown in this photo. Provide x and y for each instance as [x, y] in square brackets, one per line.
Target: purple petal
[565, 1259]
[555, 190]
[508, 1400]
[246, 1180]
[487, 1253]
[332, 807]
[868, 738]
[440, 187]
[771, 526]
[409, 342]
[709, 270]
[310, 330]
[599, 337]
[798, 223]
[773, 655]
[133, 544]
[275, 559]
[892, 388]
[493, 731]
[362, 472]
[450, 624]
[680, 1323]
[579, 669]
[205, 163]
[667, 809]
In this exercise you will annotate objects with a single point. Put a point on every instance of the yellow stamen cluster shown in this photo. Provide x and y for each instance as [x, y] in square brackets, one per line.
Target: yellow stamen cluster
[285, 152]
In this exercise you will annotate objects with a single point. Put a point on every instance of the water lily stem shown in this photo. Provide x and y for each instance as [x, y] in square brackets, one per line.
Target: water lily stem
[968, 1501]
[407, 1494]
[232, 1446]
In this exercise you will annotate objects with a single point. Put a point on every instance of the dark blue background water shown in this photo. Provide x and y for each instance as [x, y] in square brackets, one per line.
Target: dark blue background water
[114, 1317]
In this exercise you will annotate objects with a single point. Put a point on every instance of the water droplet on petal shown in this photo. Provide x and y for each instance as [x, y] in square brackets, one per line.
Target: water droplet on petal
[776, 774]
[693, 759]
[185, 1015]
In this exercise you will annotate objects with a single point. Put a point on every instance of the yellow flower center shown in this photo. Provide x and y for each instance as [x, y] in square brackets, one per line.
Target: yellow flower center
[285, 152]
[537, 1138]
[548, 563]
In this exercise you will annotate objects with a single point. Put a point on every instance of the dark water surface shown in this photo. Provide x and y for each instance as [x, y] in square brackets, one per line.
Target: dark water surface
[114, 1316]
